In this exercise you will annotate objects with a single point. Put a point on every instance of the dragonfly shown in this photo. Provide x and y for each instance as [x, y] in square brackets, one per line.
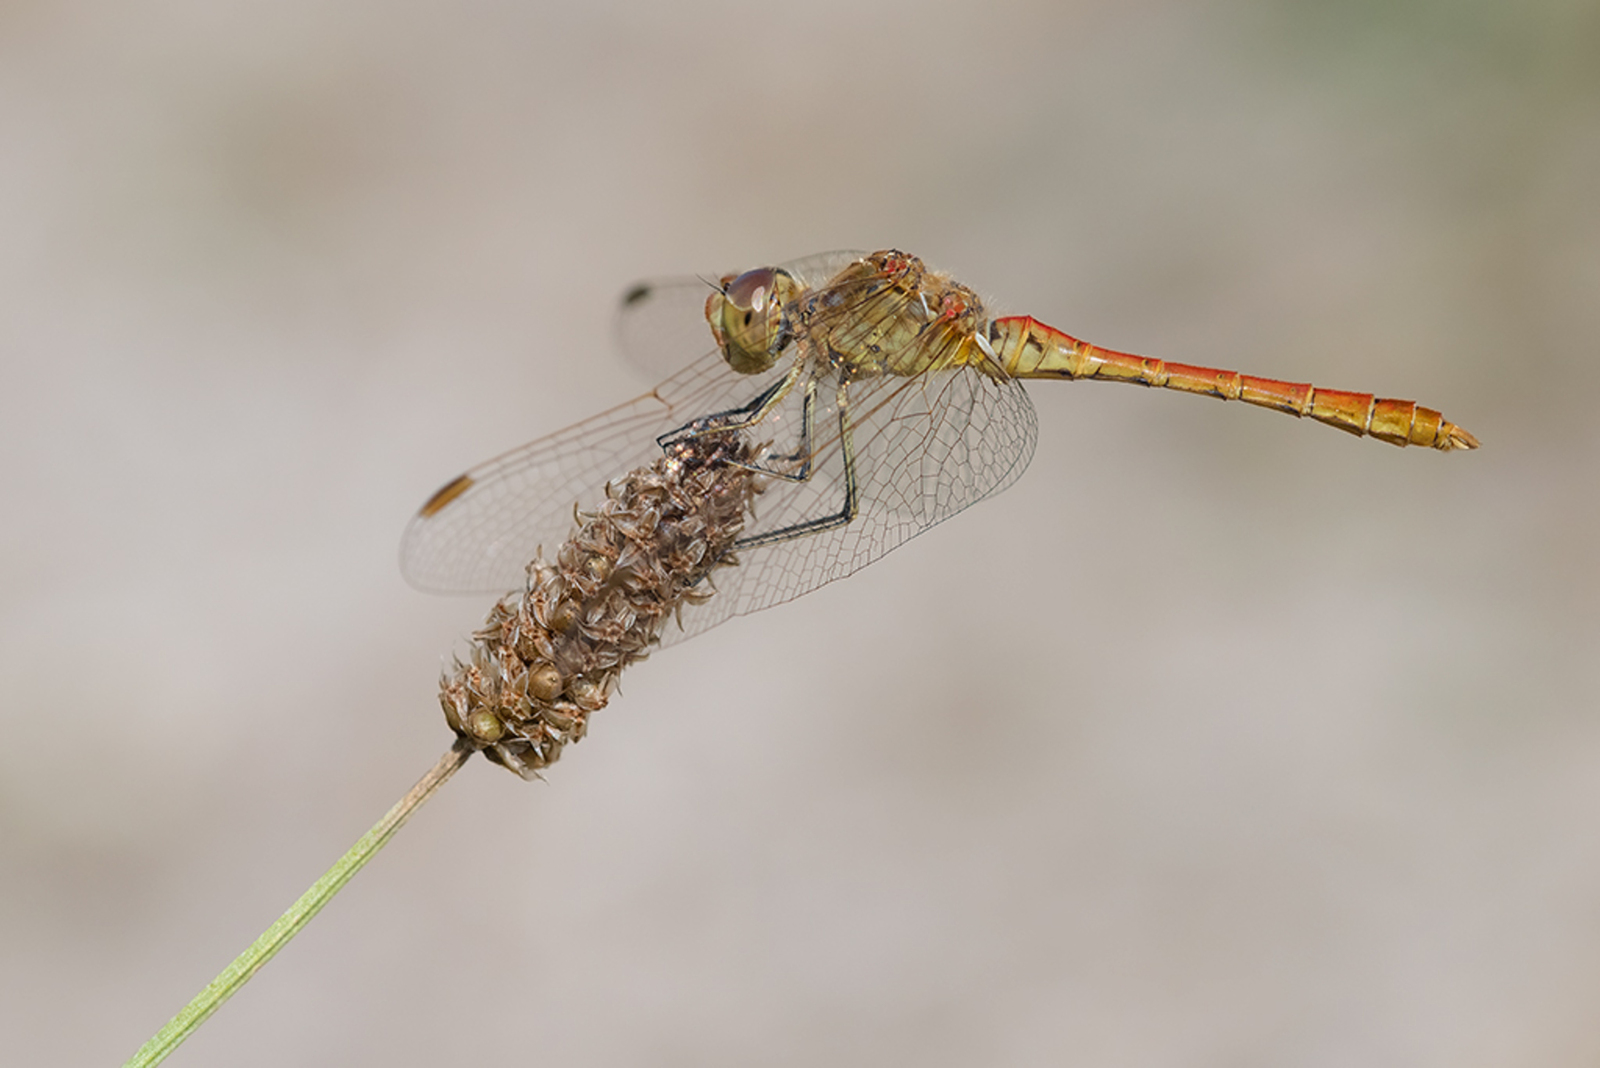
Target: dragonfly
[874, 397]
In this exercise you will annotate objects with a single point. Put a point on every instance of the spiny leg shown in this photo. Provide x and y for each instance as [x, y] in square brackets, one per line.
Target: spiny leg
[844, 515]
[749, 415]
[740, 418]
[802, 455]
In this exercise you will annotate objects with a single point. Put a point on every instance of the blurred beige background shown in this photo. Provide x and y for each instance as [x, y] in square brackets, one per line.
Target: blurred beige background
[1218, 740]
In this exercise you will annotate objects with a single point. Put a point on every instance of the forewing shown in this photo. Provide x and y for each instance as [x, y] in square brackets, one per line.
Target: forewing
[480, 530]
[925, 448]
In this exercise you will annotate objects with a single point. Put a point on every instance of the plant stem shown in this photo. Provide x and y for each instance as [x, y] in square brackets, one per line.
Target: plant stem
[288, 925]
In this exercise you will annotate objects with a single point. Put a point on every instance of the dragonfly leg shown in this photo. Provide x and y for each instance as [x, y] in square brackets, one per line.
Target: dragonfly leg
[740, 418]
[799, 461]
[795, 466]
[845, 514]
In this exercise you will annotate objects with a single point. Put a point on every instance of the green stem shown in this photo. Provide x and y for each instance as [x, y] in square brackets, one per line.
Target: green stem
[288, 925]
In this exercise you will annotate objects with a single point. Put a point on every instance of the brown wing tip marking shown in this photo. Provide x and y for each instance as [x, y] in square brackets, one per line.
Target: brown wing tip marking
[636, 294]
[445, 494]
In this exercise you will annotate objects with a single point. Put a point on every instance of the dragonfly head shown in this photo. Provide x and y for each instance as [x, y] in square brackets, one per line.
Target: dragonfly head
[746, 314]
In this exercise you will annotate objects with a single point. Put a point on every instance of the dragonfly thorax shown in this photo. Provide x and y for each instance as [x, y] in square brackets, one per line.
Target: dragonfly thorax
[888, 314]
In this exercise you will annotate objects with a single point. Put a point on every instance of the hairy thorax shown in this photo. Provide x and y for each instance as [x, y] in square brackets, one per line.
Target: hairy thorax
[889, 314]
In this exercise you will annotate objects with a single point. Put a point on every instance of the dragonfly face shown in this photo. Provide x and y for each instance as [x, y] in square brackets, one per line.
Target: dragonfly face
[748, 319]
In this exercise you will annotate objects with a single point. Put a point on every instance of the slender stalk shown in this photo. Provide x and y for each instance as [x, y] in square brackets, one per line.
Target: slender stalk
[288, 925]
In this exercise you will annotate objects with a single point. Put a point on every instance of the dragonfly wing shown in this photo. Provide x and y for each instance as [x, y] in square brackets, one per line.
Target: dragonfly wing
[662, 321]
[817, 269]
[478, 533]
[925, 448]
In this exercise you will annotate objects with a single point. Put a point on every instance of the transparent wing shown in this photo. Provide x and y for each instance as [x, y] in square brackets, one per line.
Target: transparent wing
[480, 530]
[925, 448]
[661, 322]
[814, 270]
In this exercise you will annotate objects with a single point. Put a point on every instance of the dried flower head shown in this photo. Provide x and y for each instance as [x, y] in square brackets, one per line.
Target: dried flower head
[550, 654]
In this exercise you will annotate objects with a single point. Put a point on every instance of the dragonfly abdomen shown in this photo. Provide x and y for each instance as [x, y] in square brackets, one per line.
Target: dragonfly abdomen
[1027, 348]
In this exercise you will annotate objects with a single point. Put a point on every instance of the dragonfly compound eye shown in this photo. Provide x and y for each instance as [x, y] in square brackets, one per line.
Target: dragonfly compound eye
[746, 316]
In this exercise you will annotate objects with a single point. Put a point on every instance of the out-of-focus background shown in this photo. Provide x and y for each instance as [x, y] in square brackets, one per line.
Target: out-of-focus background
[1220, 739]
